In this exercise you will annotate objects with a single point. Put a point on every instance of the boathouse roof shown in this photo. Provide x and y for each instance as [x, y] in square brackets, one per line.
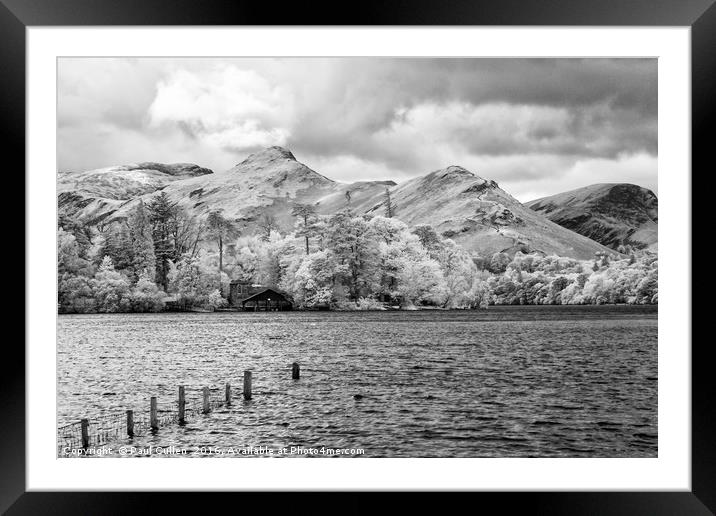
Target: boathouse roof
[274, 290]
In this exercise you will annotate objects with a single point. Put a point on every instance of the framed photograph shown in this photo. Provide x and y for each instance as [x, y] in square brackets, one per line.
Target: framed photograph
[414, 250]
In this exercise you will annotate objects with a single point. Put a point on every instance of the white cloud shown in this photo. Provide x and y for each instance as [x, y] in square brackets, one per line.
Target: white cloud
[226, 107]
[640, 169]
[348, 168]
[536, 127]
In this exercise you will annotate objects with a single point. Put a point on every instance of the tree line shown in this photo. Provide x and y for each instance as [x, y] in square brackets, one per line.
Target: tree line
[341, 261]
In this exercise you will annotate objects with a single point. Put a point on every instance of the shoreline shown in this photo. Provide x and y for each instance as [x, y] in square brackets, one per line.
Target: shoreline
[654, 306]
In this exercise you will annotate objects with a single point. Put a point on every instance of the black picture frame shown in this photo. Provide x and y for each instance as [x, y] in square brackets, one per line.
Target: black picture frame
[699, 15]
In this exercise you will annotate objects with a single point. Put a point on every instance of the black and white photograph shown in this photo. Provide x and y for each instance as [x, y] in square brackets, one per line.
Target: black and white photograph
[357, 257]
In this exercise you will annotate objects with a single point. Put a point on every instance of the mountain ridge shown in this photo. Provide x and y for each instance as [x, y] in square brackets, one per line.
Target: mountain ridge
[95, 194]
[459, 204]
[613, 214]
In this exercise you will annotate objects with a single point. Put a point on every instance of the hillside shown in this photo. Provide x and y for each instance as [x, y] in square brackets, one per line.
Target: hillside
[473, 211]
[482, 217]
[94, 194]
[611, 213]
[267, 183]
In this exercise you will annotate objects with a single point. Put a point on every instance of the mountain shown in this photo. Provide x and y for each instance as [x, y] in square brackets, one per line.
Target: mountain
[482, 217]
[610, 213]
[94, 194]
[270, 182]
[473, 211]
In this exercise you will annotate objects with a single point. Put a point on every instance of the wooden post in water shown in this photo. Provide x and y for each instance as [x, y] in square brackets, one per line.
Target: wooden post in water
[228, 394]
[182, 405]
[153, 421]
[295, 371]
[84, 425]
[247, 385]
[206, 409]
[130, 423]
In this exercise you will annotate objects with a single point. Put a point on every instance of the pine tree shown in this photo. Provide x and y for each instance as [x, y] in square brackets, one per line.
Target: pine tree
[140, 234]
[107, 265]
[390, 206]
[117, 245]
[162, 216]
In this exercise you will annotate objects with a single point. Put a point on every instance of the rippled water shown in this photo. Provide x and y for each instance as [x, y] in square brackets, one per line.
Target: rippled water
[503, 382]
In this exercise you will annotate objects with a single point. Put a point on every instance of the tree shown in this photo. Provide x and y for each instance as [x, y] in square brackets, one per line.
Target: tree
[118, 246]
[306, 214]
[389, 205]
[246, 257]
[193, 280]
[427, 235]
[142, 243]
[420, 280]
[648, 287]
[388, 230]
[354, 246]
[74, 276]
[459, 272]
[69, 259]
[76, 294]
[220, 229]
[186, 232]
[499, 262]
[112, 290]
[81, 232]
[162, 214]
[392, 235]
[556, 288]
[320, 230]
[267, 224]
[145, 296]
[310, 279]
[273, 267]
[599, 289]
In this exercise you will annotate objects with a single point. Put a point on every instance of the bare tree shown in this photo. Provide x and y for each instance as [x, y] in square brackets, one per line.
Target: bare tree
[187, 231]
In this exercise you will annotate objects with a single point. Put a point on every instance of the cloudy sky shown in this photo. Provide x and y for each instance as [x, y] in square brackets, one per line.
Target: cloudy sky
[536, 126]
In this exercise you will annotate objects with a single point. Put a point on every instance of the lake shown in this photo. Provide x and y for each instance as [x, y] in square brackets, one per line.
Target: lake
[524, 381]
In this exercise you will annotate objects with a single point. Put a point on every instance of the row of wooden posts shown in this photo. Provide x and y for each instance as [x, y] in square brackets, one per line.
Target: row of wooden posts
[154, 419]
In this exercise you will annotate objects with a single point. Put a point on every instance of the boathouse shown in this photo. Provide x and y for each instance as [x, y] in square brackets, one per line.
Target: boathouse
[252, 297]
